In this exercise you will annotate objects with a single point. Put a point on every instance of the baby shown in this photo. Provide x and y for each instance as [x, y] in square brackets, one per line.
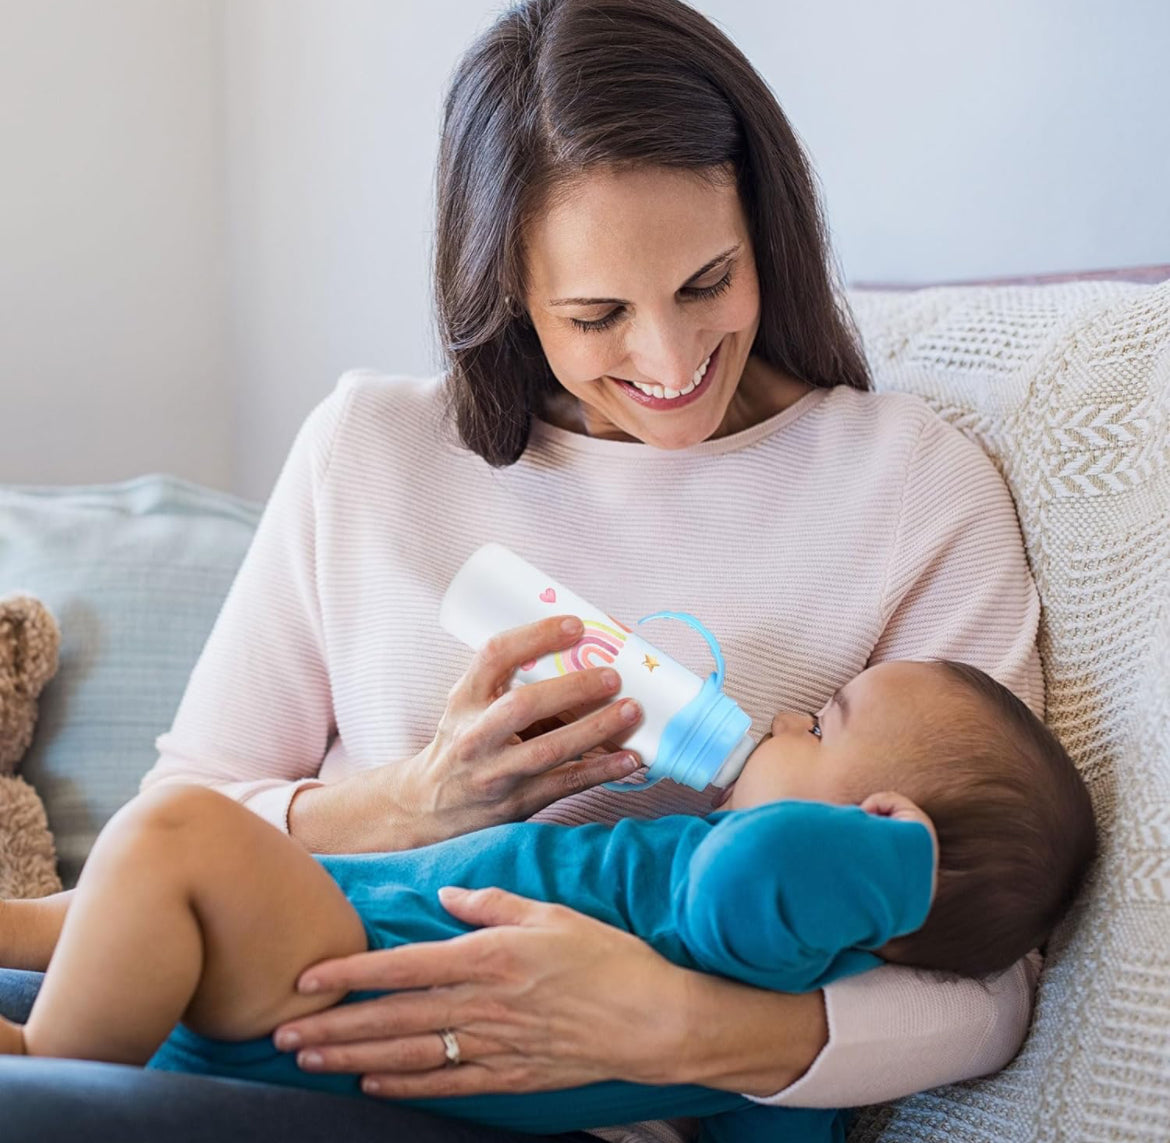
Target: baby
[193, 909]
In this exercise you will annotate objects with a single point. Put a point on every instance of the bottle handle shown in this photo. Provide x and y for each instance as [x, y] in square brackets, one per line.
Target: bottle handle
[712, 643]
[697, 624]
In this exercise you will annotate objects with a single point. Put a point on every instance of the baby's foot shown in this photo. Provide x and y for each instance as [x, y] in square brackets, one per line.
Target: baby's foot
[11, 1038]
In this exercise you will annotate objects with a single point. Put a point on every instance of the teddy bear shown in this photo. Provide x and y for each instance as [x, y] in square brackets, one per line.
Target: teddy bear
[29, 643]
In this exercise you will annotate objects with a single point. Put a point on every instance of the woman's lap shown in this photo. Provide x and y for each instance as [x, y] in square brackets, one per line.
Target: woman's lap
[70, 1101]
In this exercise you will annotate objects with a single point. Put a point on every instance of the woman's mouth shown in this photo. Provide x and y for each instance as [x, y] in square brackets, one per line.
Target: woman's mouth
[656, 397]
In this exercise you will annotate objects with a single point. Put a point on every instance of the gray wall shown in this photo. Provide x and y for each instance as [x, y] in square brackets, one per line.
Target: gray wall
[210, 208]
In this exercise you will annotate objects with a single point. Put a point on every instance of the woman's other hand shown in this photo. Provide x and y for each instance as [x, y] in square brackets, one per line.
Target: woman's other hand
[514, 996]
[497, 756]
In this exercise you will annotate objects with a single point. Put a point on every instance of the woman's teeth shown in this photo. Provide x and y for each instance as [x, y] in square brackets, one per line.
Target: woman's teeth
[670, 394]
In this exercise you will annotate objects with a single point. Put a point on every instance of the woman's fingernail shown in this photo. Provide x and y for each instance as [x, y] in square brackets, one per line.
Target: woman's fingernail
[629, 711]
[630, 763]
[309, 984]
[610, 678]
[371, 1086]
[286, 1041]
[572, 627]
[310, 1060]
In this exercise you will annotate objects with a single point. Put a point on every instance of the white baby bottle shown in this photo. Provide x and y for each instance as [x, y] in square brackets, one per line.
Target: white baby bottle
[690, 732]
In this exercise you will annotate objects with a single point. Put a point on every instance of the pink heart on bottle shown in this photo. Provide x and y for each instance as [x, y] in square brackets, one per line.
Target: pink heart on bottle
[528, 666]
[548, 595]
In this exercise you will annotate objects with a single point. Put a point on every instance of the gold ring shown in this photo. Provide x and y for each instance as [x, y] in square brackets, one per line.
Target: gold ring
[451, 1047]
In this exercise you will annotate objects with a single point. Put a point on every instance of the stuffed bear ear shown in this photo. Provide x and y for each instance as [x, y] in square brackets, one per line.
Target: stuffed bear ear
[29, 642]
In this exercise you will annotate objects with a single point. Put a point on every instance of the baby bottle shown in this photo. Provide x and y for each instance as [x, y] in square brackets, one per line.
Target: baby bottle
[690, 732]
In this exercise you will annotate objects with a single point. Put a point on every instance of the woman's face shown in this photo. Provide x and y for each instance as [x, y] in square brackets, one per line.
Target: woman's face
[646, 277]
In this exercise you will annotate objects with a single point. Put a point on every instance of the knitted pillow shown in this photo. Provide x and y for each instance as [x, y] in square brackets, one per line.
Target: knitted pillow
[1067, 387]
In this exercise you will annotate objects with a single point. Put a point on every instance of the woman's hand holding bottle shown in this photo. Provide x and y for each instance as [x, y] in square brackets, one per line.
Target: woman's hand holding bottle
[480, 769]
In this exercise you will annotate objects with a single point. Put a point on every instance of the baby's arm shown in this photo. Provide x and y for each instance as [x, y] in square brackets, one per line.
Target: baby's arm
[781, 895]
[29, 930]
[192, 908]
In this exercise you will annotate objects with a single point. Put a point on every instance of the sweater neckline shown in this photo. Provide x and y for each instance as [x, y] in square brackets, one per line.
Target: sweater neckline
[545, 433]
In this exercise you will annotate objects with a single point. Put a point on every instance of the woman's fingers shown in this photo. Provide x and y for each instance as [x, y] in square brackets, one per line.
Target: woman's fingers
[424, 964]
[494, 662]
[555, 747]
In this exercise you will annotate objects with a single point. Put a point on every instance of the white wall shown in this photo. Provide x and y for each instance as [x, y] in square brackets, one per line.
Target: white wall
[112, 323]
[952, 141]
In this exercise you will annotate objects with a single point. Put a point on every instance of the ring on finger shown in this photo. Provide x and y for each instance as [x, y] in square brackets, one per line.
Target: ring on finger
[451, 1047]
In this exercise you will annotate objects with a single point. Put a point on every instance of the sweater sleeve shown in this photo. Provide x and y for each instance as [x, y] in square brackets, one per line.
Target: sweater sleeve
[958, 587]
[789, 894]
[257, 717]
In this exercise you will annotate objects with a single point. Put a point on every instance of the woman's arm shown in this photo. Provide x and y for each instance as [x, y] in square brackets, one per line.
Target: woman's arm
[256, 717]
[544, 997]
[257, 720]
[898, 1030]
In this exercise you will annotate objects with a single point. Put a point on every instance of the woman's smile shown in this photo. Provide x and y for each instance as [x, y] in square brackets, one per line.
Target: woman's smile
[656, 397]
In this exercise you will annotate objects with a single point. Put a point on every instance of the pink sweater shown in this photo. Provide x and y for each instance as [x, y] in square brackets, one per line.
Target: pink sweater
[849, 528]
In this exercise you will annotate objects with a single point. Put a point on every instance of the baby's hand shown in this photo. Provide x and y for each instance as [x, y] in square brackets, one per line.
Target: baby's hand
[889, 804]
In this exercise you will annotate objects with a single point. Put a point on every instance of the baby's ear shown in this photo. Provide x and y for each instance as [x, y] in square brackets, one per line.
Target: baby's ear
[29, 642]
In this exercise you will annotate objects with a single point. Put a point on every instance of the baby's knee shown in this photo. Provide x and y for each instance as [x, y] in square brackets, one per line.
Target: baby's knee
[158, 819]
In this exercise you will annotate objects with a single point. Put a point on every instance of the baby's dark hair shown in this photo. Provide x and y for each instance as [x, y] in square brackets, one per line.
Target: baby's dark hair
[1015, 827]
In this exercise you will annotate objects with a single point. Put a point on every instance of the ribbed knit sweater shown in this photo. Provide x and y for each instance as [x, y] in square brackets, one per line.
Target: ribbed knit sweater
[847, 529]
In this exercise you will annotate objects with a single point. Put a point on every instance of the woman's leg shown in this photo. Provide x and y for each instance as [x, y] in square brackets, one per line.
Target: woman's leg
[190, 907]
[29, 930]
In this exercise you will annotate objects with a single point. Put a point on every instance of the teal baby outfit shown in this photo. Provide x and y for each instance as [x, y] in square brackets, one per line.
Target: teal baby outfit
[786, 896]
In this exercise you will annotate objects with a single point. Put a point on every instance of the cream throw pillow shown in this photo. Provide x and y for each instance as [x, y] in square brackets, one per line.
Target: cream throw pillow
[1067, 387]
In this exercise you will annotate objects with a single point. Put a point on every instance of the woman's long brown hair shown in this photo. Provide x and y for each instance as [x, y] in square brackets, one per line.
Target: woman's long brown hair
[555, 88]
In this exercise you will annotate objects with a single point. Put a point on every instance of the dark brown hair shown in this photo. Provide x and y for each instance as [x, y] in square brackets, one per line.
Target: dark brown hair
[556, 88]
[1016, 834]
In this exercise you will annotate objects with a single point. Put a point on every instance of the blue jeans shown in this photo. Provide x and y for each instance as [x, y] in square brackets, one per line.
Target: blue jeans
[74, 1101]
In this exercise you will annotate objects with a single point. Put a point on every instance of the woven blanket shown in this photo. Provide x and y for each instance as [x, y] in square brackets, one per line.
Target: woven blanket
[1067, 388]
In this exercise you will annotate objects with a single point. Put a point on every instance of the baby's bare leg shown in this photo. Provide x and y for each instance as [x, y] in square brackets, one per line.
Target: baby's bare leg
[29, 930]
[190, 907]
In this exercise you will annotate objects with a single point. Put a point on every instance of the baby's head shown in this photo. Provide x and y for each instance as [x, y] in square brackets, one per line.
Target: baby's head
[1013, 819]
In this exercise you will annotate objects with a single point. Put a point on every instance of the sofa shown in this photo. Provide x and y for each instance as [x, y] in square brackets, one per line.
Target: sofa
[1064, 381]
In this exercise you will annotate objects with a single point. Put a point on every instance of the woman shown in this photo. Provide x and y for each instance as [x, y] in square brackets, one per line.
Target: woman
[645, 354]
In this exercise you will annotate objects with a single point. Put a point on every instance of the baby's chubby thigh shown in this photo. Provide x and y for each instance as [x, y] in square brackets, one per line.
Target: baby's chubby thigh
[264, 906]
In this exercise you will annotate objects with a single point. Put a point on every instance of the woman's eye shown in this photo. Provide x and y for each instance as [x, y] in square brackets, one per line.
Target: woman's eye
[596, 326]
[699, 292]
[815, 729]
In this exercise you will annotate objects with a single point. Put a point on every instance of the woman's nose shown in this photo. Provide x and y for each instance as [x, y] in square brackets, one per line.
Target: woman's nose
[664, 352]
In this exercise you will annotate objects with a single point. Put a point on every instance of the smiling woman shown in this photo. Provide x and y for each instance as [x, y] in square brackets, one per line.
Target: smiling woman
[623, 212]
[666, 336]
[615, 242]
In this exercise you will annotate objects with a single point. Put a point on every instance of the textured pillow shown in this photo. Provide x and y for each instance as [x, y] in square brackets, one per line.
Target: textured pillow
[1067, 388]
[135, 574]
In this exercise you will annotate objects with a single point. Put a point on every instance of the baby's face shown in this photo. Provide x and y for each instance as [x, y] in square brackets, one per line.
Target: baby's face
[850, 748]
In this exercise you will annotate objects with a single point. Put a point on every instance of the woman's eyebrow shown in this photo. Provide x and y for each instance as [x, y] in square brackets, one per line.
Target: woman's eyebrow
[704, 269]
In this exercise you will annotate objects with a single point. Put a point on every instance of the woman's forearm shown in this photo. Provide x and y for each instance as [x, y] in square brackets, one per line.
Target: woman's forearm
[744, 1039]
[350, 816]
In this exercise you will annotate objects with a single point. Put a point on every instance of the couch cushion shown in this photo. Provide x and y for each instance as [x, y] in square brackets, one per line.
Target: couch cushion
[1067, 387]
[135, 574]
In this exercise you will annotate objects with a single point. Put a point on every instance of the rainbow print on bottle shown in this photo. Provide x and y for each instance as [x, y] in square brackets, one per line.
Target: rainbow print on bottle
[598, 647]
[690, 730]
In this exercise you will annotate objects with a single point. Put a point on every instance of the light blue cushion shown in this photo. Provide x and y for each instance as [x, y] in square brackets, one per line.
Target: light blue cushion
[135, 574]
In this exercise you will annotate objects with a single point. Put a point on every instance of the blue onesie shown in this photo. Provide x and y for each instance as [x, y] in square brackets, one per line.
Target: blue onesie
[785, 896]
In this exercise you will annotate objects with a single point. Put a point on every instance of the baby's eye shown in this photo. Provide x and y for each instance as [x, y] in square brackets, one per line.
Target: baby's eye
[815, 729]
